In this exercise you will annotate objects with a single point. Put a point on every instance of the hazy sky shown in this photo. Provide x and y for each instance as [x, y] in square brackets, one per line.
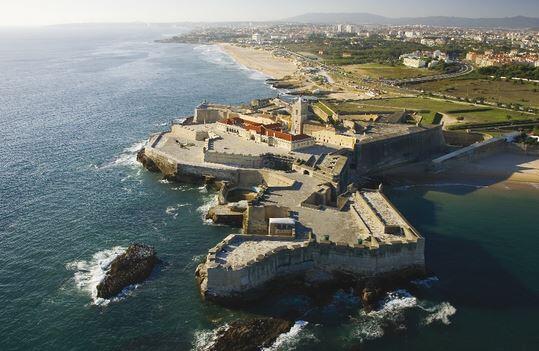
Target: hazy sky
[38, 12]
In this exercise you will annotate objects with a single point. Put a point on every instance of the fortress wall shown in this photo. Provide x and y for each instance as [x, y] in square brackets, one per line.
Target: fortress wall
[171, 167]
[238, 160]
[188, 133]
[384, 153]
[329, 257]
[273, 179]
[469, 153]
[197, 171]
[464, 139]
[209, 115]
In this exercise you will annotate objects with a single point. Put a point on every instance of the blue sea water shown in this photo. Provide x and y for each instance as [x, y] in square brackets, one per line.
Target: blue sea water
[76, 103]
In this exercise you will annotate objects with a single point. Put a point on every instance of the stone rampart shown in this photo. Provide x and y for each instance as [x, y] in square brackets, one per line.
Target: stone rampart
[232, 159]
[220, 281]
[463, 138]
[376, 155]
[469, 153]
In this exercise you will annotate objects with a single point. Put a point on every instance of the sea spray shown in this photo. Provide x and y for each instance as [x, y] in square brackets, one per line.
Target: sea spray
[292, 338]
[391, 314]
[174, 209]
[205, 339]
[88, 274]
[128, 157]
[210, 201]
[440, 313]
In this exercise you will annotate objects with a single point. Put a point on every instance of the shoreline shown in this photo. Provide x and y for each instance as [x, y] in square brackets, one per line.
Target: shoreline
[261, 61]
[507, 170]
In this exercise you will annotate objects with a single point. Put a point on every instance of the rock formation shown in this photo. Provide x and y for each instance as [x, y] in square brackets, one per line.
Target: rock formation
[147, 162]
[250, 335]
[131, 267]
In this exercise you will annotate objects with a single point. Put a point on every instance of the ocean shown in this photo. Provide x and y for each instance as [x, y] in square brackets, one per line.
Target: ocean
[78, 102]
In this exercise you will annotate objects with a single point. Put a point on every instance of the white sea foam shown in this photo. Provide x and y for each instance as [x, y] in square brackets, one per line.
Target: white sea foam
[88, 274]
[216, 55]
[209, 202]
[128, 157]
[392, 313]
[205, 339]
[290, 339]
[440, 313]
[371, 325]
[164, 181]
[174, 209]
[195, 261]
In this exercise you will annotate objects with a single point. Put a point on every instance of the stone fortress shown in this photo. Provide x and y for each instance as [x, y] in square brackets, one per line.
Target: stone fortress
[287, 181]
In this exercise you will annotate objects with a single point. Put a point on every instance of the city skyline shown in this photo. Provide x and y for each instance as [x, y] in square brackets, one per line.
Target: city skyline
[34, 12]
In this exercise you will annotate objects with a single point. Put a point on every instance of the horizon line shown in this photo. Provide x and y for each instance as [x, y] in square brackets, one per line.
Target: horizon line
[246, 20]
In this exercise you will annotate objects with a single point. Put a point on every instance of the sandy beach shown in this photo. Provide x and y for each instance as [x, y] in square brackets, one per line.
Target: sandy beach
[502, 170]
[260, 60]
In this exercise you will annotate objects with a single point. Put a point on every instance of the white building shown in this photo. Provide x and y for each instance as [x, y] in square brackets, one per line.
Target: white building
[414, 62]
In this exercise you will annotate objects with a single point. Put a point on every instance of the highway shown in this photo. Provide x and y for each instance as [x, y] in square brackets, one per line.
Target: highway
[463, 70]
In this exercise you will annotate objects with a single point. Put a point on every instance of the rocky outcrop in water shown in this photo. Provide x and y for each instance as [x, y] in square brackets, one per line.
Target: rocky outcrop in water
[147, 162]
[131, 267]
[372, 290]
[250, 335]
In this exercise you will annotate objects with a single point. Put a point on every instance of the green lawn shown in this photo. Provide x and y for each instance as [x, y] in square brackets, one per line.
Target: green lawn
[428, 107]
[377, 71]
[473, 87]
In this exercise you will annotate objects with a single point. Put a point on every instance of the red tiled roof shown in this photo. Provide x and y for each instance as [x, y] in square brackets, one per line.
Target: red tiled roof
[272, 130]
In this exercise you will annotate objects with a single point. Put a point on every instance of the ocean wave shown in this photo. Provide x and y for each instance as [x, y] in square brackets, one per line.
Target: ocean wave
[209, 202]
[290, 339]
[372, 325]
[440, 313]
[215, 54]
[179, 188]
[205, 339]
[127, 158]
[174, 209]
[88, 274]
[392, 314]
[195, 261]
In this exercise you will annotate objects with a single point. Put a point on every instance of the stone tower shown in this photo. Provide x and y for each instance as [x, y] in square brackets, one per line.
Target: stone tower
[299, 115]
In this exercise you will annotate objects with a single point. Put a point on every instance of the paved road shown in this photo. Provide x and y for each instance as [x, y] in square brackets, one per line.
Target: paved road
[463, 70]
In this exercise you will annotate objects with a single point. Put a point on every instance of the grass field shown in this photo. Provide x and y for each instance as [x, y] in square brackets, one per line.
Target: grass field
[507, 92]
[377, 71]
[428, 107]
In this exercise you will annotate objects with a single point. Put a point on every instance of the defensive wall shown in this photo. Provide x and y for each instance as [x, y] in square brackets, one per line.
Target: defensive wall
[470, 153]
[247, 177]
[457, 138]
[293, 257]
[268, 160]
[378, 154]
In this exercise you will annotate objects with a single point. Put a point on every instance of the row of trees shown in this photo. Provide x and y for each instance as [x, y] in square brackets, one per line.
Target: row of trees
[512, 71]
